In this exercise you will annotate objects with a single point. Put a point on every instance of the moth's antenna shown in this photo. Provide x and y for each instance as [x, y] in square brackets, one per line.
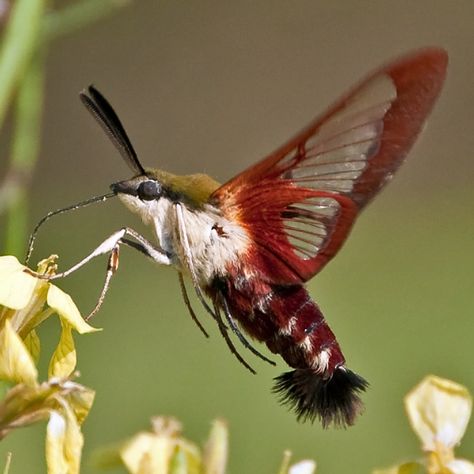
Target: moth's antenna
[106, 117]
[32, 239]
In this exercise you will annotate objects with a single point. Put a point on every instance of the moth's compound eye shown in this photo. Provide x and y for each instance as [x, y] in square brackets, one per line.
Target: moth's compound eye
[149, 190]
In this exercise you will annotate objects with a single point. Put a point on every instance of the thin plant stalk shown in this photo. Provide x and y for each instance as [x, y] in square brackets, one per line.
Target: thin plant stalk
[25, 41]
[77, 16]
[18, 45]
[24, 154]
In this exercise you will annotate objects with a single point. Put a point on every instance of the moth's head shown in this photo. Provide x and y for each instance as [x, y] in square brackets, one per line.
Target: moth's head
[143, 193]
[140, 194]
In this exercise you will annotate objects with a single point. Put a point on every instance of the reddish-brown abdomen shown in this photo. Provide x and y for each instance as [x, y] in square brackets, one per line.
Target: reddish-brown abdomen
[291, 324]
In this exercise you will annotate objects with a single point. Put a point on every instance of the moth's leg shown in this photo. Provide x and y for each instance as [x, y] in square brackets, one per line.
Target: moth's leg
[112, 266]
[111, 245]
[188, 304]
[228, 340]
[143, 246]
[235, 328]
[108, 245]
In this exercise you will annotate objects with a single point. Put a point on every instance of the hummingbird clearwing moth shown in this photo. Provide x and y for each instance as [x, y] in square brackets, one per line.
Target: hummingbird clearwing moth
[249, 245]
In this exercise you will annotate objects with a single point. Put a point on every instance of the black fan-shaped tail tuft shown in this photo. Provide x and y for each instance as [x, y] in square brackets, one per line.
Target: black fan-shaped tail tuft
[333, 400]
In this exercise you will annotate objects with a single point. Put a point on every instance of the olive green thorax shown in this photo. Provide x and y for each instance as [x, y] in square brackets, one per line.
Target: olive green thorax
[193, 188]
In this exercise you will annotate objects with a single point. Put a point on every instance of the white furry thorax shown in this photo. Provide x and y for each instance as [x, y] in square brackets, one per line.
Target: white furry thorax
[214, 241]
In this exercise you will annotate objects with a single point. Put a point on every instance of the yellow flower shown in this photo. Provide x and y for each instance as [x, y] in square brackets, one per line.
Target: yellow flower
[65, 404]
[26, 301]
[439, 411]
[303, 467]
[165, 451]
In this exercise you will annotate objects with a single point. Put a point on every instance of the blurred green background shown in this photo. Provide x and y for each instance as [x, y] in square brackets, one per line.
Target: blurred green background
[213, 86]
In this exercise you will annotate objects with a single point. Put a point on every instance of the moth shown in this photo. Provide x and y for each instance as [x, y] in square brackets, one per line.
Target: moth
[249, 245]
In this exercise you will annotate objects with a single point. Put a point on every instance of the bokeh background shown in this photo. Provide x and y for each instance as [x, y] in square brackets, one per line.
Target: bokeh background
[213, 86]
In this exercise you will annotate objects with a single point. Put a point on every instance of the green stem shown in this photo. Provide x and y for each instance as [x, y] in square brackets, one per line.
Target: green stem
[21, 70]
[24, 154]
[18, 44]
[77, 16]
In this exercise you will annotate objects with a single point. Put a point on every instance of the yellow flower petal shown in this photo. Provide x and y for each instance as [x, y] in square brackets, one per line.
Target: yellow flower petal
[439, 411]
[461, 466]
[147, 453]
[406, 468]
[63, 304]
[16, 363]
[285, 465]
[64, 441]
[303, 467]
[162, 451]
[79, 398]
[73, 441]
[8, 461]
[32, 343]
[179, 464]
[23, 405]
[55, 436]
[16, 286]
[215, 454]
[63, 361]
[186, 459]
[307, 466]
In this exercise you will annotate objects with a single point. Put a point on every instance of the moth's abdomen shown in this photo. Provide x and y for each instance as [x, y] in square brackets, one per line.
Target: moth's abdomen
[303, 337]
[321, 387]
[292, 325]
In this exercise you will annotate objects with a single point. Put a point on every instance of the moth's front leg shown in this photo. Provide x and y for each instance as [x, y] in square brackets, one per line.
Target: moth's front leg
[110, 244]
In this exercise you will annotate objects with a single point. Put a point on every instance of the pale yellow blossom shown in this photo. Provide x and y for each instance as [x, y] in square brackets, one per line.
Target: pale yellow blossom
[164, 450]
[439, 411]
[25, 301]
[306, 466]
